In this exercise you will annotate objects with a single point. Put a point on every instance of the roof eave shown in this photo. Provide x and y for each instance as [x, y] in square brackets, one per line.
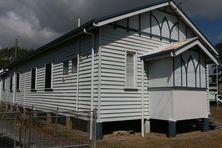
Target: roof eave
[188, 21]
[104, 21]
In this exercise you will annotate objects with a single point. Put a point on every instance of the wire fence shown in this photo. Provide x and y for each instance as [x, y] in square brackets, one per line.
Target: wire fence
[29, 128]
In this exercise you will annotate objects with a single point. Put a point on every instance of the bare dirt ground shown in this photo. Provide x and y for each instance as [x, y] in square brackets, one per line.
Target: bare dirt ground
[196, 139]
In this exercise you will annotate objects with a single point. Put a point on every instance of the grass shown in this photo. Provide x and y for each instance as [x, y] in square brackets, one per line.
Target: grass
[196, 139]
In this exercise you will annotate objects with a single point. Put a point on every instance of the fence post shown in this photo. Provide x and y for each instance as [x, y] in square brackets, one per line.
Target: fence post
[94, 128]
[20, 130]
[49, 118]
[56, 121]
[68, 122]
[14, 107]
[30, 125]
[6, 106]
[11, 107]
[15, 130]
[17, 107]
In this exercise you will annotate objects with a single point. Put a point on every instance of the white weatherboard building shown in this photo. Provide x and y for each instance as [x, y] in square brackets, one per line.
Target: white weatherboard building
[146, 63]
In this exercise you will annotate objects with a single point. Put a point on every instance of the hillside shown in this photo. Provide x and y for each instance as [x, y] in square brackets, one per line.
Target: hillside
[7, 55]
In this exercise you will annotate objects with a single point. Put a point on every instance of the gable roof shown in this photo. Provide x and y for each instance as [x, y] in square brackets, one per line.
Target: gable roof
[152, 5]
[178, 48]
[160, 4]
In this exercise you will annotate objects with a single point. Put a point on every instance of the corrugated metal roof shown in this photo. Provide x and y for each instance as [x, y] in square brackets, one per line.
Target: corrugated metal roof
[177, 45]
[166, 51]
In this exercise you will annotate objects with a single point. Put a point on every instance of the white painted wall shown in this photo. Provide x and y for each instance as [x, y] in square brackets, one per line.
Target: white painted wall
[176, 105]
[64, 86]
[113, 101]
[118, 104]
[179, 102]
[189, 104]
[160, 73]
[161, 104]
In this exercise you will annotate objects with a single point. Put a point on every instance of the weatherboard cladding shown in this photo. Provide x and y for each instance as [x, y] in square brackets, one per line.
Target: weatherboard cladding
[168, 82]
[64, 87]
[116, 102]
[141, 34]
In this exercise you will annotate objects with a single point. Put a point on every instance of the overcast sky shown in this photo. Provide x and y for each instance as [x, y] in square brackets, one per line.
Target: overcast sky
[36, 22]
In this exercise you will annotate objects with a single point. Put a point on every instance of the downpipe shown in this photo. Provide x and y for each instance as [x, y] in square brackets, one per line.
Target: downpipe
[92, 81]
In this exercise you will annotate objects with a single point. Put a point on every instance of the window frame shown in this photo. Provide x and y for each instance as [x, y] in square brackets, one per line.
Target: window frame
[18, 82]
[3, 84]
[76, 60]
[35, 87]
[67, 70]
[11, 83]
[134, 87]
[51, 81]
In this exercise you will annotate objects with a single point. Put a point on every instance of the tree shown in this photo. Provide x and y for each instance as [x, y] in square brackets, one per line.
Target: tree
[7, 55]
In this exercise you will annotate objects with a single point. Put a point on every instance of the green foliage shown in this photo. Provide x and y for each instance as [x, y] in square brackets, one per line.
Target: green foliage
[7, 55]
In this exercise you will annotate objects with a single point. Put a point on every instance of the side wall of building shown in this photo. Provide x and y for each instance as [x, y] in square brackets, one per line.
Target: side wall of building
[186, 78]
[141, 34]
[64, 94]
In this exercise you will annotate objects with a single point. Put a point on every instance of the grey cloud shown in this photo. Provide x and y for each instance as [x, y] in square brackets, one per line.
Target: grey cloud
[210, 9]
[36, 22]
[29, 34]
[49, 19]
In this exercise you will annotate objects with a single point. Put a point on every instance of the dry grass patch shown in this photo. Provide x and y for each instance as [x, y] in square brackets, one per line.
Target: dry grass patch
[197, 139]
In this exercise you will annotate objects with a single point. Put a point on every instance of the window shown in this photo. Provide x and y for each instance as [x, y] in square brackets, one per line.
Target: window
[130, 70]
[48, 76]
[17, 81]
[3, 85]
[11, 80]
[33, 79]
[65, 67]
[74, 65]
